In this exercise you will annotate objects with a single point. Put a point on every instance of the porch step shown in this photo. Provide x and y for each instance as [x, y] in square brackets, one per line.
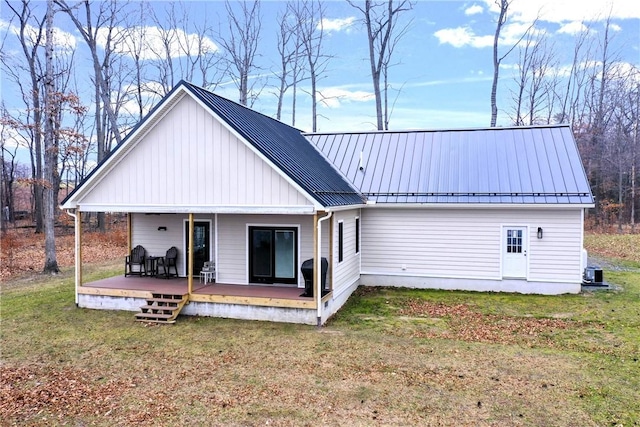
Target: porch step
[162, 308]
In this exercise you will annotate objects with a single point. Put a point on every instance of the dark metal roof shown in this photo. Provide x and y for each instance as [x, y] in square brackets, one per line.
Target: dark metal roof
[523, 165]
[286, 147]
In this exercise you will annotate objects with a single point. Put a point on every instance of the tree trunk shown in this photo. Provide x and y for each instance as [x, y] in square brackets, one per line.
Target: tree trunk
[375, 70]
[51, 154]
[504, 5]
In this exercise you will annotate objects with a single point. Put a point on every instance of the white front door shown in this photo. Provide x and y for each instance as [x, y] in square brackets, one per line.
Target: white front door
[514, 252]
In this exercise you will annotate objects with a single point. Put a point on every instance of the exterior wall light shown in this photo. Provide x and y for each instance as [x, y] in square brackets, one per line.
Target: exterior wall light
[165, 229]
[539, 232]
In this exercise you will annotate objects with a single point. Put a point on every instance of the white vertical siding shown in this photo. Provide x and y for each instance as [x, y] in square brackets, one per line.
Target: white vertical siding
[347, 272]
[466, 243]
[233, 258]
[190, 158]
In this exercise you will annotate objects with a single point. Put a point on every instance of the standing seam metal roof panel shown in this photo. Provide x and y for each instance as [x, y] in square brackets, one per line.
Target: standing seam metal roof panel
[535, 164]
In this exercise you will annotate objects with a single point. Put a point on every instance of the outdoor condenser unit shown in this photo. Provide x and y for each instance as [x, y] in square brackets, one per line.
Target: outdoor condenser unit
[593, 275]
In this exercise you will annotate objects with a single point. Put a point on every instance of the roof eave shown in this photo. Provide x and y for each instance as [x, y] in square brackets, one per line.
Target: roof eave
[450, 205]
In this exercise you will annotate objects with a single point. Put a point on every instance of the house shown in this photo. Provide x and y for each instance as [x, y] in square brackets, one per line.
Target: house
[497, 209]
[486, 209]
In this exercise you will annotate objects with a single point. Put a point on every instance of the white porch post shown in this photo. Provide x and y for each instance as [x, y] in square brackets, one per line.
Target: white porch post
[317, 264]
[316, 281]
[78, 257]
[190, 260]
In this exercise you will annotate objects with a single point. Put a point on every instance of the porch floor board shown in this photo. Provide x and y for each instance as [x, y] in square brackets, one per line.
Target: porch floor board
[180, 286]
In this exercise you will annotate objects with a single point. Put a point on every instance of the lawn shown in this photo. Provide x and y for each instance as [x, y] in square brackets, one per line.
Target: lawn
[390, 357]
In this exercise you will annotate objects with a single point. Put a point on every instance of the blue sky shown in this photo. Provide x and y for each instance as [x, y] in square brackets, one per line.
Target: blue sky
[444, 62]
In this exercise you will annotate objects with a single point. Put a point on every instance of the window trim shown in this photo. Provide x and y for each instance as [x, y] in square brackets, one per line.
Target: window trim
[340, 241]
[357, 225]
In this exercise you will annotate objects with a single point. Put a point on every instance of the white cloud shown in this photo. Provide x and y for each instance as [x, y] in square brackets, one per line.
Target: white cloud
[573, 28]
[463, 36]
[62, 40]
[150, 41]
[510, 35]
[473, 10]
[561, 11]
[570, 14]
[338, 24]
[454, 81]
[332, 97]
[615, 27]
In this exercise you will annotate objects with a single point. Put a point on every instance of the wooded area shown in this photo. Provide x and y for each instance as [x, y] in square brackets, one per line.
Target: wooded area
[597, 92]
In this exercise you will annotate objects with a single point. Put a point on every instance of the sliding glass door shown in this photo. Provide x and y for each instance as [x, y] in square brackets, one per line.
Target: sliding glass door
[273, 254]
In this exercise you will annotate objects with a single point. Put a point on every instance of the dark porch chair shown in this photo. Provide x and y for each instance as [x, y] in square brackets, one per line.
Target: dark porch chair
[168, 262]
[136, 258]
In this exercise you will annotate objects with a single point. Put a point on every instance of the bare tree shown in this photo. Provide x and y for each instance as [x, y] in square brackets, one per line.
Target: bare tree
[134, 41]
[50, 151]
[380, 20]
[241, 46]
[31, 41]
[8, 156]
[106, 17]
[164, 64]
[635, 119]
[185, 51]
[309, 17]
[502, 18]
[289, 55]
[533, 96]
[572, 96]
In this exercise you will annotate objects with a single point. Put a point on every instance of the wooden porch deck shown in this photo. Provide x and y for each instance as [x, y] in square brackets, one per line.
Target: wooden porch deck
[141, 287]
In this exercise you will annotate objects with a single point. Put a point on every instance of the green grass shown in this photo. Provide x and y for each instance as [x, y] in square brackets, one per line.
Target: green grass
[601, 343]
[484, 359]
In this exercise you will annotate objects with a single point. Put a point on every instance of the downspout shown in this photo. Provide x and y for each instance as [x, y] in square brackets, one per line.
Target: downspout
[318, 269]
[78, 253]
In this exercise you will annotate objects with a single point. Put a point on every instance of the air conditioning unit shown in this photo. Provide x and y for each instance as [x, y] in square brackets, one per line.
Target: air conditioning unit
[593, 275]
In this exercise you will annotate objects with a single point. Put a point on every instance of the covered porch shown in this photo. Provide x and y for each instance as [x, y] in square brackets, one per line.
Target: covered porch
[248, 302]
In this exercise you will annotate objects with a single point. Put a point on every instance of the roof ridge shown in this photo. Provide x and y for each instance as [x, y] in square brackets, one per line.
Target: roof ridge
[443, 130]
[251, 110]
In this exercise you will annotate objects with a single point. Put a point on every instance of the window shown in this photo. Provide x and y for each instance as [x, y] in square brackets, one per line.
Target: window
[273, 254]
[340, 240]
[357, 234]
[514, 241]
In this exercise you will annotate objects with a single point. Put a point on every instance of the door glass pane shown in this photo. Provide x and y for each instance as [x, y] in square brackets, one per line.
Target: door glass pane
[201, 244]
[261, 247]
[285, 257]
[514, 241]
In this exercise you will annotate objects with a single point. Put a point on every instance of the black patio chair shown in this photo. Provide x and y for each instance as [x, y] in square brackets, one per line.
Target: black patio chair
[136, 258]
[168, 262]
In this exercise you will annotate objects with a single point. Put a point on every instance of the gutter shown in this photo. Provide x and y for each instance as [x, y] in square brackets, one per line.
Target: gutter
[318, 266]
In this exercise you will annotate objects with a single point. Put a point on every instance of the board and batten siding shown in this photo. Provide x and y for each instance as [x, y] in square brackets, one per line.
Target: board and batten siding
[190, 158]
[466, 243]
[233, 243]
[347, 272]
